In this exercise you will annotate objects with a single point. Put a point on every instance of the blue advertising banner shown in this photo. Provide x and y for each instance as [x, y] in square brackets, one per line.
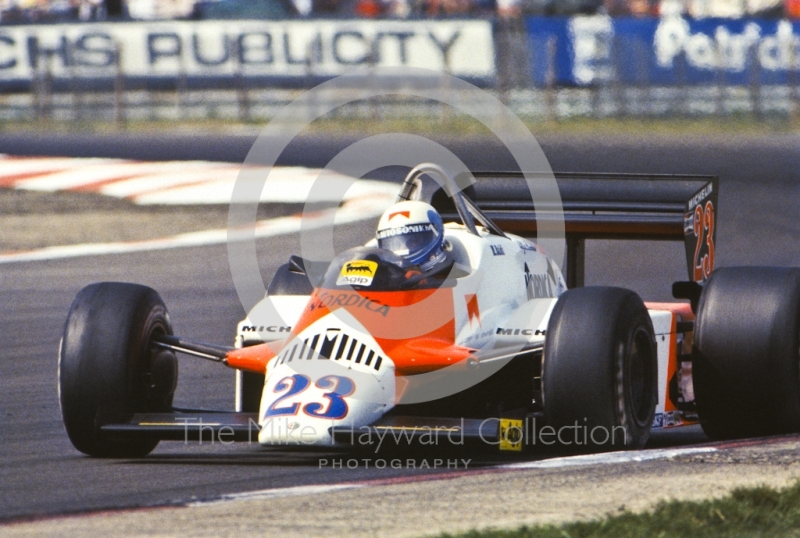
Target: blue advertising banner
[585, 51]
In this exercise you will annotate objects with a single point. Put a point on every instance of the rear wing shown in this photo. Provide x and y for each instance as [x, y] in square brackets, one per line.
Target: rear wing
[602, 206]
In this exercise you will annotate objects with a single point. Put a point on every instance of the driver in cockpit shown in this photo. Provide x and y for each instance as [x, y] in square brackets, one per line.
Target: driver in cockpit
[414, 230]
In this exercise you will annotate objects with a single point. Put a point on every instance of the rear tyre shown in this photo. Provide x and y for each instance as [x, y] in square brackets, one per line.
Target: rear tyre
[600, 372]
[107, 368]
[746, 369]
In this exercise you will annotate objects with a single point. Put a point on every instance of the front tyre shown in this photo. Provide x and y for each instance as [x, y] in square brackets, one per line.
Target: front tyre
[107, 368]
[600, 370]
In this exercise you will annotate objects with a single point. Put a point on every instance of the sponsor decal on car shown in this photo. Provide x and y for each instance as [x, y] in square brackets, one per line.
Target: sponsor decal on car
[668, 419]
[473, 309]
[357, 273]
[477, 338]
[337, 388]
[268, 328]
[538, 286]
[702, 227]
[407, 229]
[510, 434]
[405, 214]
[502, 331]
[347, 300]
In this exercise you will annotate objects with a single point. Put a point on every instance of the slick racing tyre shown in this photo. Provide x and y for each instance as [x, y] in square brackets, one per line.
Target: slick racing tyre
[745, 352]
[600, 371]
[107, 369]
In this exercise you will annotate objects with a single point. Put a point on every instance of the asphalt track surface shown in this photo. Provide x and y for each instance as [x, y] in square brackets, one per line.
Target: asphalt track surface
[40, 472]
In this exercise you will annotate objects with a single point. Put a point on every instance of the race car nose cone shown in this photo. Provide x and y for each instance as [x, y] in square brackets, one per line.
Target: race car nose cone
[301, 402]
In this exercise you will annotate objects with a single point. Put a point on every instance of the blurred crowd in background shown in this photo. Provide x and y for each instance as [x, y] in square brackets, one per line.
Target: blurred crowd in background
[32, 11]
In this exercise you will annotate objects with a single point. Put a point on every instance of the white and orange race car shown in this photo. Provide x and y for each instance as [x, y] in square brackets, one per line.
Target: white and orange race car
[499, 349]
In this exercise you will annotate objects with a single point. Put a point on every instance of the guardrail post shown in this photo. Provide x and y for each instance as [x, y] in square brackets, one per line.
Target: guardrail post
[643, 77]
[76, 88]
[618, 87]
[42, 90]
[550, 79]
[754, 68]
[119, 89]
[721, 82]
[503, 80]
[512, 56]
[242, 95]
[312, 107]
[180, 86]
[374, 102]
[792, 80]
[682, 95]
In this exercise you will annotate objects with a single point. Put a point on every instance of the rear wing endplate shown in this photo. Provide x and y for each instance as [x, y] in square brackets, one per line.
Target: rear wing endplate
[601, 206]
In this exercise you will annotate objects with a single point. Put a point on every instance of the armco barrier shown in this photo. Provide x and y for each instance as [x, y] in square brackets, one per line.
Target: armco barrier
[598, 50]
[233, 53]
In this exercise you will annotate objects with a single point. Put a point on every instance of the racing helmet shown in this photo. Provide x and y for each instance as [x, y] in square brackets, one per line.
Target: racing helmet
[414, 231]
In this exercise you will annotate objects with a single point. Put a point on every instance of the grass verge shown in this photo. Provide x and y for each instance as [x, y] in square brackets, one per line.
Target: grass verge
[761, 511]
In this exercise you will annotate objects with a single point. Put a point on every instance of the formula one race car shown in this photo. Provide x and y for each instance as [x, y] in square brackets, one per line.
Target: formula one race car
[493, 345]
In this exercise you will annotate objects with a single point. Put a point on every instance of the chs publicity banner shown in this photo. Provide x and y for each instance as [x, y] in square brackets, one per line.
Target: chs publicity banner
[213, 50]
[670, 51]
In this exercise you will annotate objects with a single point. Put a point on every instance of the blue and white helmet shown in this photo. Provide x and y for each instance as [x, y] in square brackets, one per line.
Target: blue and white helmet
[414, 231]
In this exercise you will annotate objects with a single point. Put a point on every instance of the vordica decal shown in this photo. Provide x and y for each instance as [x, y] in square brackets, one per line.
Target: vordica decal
[345, 300]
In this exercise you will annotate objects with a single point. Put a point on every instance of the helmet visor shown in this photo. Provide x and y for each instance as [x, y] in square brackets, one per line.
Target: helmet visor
[407, 244]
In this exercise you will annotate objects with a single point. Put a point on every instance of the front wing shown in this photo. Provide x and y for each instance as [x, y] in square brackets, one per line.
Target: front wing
[227, 427]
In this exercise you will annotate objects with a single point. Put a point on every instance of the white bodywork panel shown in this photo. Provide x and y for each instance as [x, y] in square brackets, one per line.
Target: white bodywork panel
[506, 273]
[261, 325]
[663, 325]
[337, 393]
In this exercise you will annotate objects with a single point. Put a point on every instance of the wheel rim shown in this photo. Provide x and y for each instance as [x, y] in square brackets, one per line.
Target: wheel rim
[640, 376]
[144, 382]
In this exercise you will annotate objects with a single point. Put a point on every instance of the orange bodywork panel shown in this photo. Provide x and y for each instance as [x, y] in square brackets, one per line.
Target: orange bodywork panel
[254, 358]
[388, 315]
[399, 321]
[423, 355]
[684, 310]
